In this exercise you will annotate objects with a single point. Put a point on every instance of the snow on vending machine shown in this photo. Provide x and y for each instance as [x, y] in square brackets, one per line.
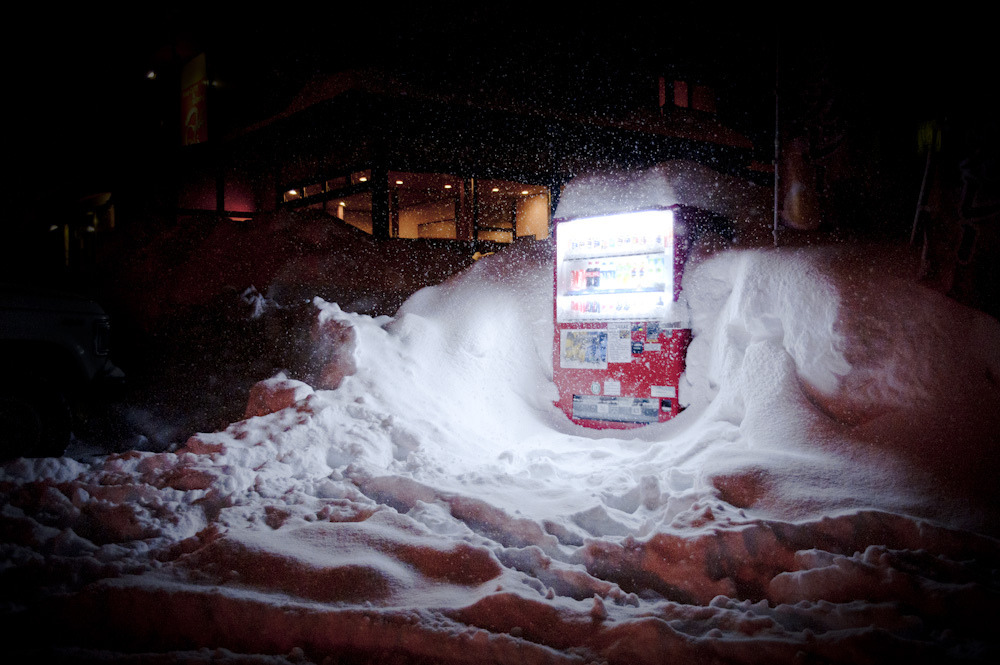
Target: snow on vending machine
[620, 335]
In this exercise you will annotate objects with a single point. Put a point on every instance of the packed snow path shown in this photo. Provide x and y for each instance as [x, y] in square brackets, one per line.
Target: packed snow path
[827, 495]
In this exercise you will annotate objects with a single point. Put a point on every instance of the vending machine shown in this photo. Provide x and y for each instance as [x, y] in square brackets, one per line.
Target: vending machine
[620, 333]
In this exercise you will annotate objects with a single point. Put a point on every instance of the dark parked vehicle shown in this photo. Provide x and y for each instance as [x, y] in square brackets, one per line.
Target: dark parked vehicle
[54, 354]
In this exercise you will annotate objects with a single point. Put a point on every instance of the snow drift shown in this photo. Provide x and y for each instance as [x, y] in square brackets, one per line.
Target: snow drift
[825, 497]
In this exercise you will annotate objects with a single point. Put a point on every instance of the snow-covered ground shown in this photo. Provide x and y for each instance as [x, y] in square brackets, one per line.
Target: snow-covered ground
[829, 494]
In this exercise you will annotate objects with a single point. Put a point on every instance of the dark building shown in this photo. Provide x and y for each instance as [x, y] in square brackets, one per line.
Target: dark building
[372, 183]
[415, 160]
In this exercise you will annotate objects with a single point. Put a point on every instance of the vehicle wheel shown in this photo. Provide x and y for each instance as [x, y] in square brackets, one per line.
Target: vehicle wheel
[34, 422]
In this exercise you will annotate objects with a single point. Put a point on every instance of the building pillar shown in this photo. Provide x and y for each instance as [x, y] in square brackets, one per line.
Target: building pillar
[381, 218]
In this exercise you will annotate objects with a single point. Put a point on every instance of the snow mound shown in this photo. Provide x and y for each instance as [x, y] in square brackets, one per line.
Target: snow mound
[826, 495]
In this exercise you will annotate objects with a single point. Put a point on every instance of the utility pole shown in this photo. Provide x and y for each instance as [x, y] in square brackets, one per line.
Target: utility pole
[777, 139]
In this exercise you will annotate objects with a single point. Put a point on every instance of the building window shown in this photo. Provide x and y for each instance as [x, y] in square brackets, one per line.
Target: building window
[439, 206]
[695, 96]
[335, 184]
[355, 209]
[506, 210]
[427, 205]
[435, 205]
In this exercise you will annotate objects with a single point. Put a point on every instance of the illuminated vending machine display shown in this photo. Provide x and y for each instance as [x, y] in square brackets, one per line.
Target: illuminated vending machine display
[620, 334]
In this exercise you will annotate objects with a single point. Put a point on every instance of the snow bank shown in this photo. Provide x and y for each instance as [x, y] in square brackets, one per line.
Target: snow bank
[420, 498]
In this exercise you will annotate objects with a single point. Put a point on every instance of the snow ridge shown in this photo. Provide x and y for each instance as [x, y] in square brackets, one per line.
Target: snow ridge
[420, 498]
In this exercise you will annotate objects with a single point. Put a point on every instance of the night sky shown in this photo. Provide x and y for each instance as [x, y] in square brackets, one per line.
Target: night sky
[87, 113]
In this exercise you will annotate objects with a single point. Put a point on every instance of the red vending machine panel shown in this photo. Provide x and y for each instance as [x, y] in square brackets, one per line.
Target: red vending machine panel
[620, 334]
